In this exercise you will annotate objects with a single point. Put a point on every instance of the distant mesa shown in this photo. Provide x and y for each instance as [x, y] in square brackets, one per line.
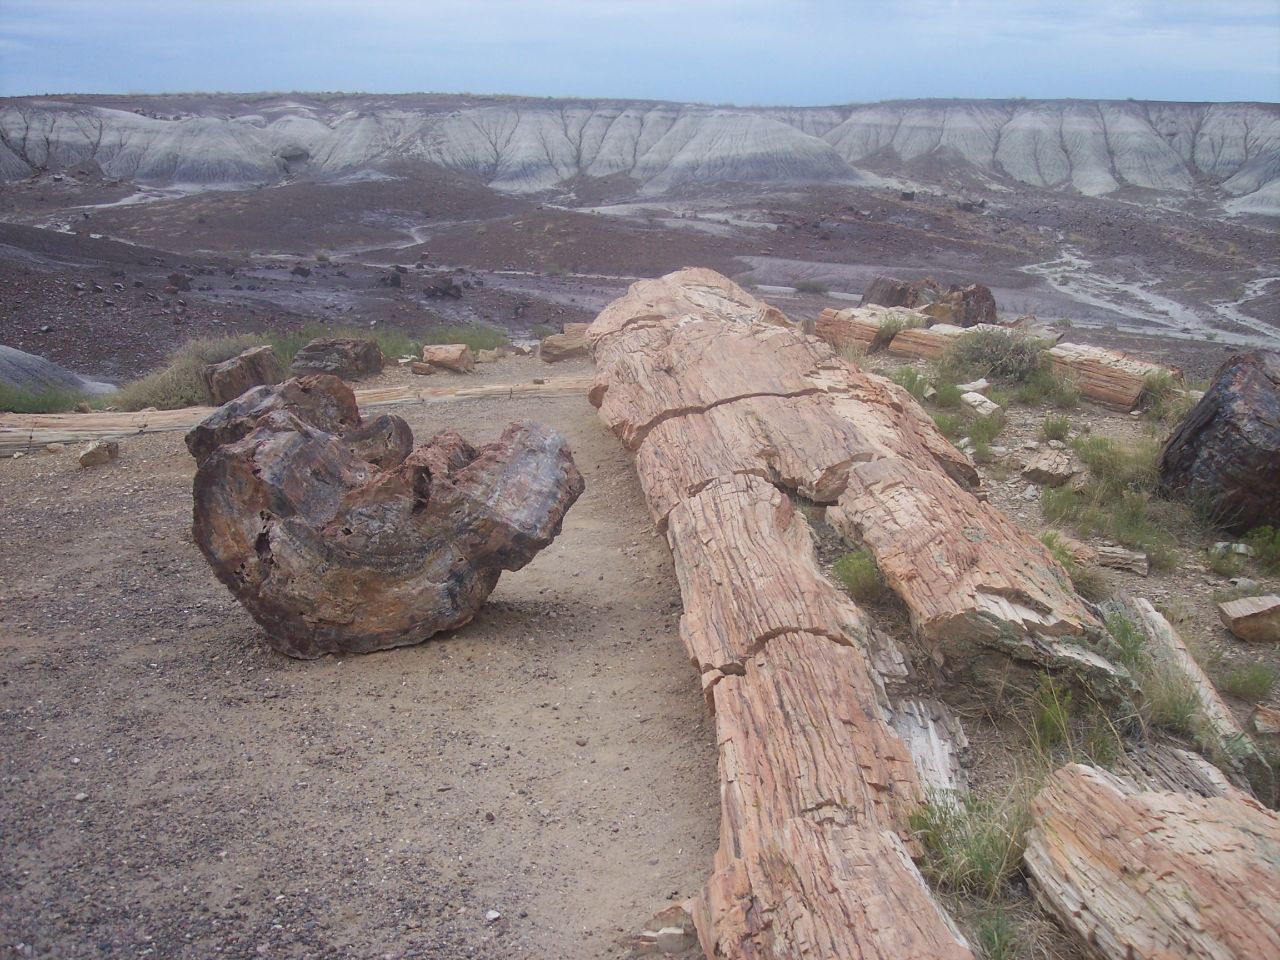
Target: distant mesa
[528, 146]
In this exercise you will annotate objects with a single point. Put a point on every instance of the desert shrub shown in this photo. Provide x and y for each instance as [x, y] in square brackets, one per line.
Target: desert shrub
[1252, 681]
[541, 331]
[861, 577]
[997, 354]
[811, 286]
[892, 325]
[1066, 394]
[949, 425]
[1225, 564]
[1087, 580]
[1051, 713]
[1164, 398]
[322, 257]
[947, 396]
[14, 400]
[1055, 428]
[1170, 701]
[474, 335]
[972, 843]
[853, 353]
[911, 380]
[1265, 543]
[747, 281]
[180, 382]
[985, 429]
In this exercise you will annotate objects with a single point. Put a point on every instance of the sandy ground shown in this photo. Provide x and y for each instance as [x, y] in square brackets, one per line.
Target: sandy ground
[170, 787]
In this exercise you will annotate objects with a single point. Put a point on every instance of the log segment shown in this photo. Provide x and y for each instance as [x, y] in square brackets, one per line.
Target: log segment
[814, 858]
[866, 328]
[337, 536]
[1136, 873]
[1111, 379]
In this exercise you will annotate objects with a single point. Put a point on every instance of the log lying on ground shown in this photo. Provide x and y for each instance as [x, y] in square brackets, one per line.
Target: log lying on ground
[1217, 731]
[866, 328]
[337, 536]
[1225, 455]
[1137, 873]
[930, 343]
[1106, 377]
[814, 858]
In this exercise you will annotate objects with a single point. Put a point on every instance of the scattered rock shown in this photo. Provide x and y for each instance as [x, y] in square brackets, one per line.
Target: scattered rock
[1116, 557]
[1253, 619]
[344, 357]
[488, 356]
[421, 368]
[977, 386]
[255, 367]
[55, 447]
[442, 285]
[1225, 454]
[979, 404]
[301, 271]
[99, 452]
[1266, 720]
[1051, 468]
[492, 916]
[450, 356]
[180, 282]
[338, 537]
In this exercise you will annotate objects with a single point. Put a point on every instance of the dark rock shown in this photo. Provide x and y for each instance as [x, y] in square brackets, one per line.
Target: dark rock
[345, 542]
[347, 358]
[1224, 457]
[255, 367]
[889, 292]
[443, 285]
[301, 271]
[179, 281]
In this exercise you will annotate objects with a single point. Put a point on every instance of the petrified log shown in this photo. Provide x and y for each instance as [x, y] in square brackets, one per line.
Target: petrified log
[964, 306]
[1118, 558]
[1253, 619]
[1218, 731]
[565, 346]
[457, 357]
[1136, 873]
[865, 328]
[1225, 455]
[930, 343]
[814, 858]
[343, 357]
[337, 538]
[255, 367]
[890, 292]
[1106, 377]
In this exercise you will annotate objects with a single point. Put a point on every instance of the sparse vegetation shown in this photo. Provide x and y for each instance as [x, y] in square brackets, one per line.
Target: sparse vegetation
[1170, 701]
[1002, 355]
[1051, 716]
[474, 335]
[1055, 428]
[811, 286]
[1164, 398]
[911, 380]
[972, 843]
[949, 425]
[1044, 385]
[861, 577]
[1252, 682]
[1265, 543]
[1087, 580]
[13, 400]
[540, 331]
[891, 326]
[948, 396]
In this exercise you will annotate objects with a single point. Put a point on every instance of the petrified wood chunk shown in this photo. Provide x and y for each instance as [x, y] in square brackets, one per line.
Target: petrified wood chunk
[341, 356]
[457, 357]
[1136, 873]
[865, 328]
[1106, 377]
[1225, 455]
[565, 346]
[1255, 619]
[338, 538]
[1050, 468]
[255, 367]
[890, 292]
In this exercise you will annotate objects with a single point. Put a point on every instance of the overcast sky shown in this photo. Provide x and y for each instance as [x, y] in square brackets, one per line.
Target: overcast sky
[739, 51]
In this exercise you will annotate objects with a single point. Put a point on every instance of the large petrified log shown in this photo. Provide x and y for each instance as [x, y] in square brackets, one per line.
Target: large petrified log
[1106, 377]
[866, 328]
[337, 536]
[1151, 874]
[814, 859]
[962, 306]
[344, 357]
[254, 367]
[1225, 455]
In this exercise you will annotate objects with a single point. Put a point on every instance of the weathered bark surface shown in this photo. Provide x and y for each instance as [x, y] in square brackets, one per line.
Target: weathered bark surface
[969, 577]
[964, 306]
[814, 857]
[1051, 468]
[565, 346]
[1225, 455]
[1253, 619]
[864, 327]
[457, 357]
[1219, 733]
[1118, 558]
[255, 367]
[337, 538]
[925, 343]
[342, 357]
[1137, 873]
[890, 292]
[1106, 377]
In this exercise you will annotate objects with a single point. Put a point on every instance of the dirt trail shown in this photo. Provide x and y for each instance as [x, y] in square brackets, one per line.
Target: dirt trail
[172, 788]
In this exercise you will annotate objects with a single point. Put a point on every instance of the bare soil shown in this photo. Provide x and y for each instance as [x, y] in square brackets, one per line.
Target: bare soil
[173, 788]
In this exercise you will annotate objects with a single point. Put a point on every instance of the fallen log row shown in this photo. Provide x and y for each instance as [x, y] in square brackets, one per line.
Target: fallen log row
[864, 328]
[1138, 873]
[26, 432]
[814, 858]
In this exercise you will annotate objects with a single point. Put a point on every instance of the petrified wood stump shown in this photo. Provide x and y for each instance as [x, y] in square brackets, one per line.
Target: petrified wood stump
[257, 366]
[1225, 455]
[337, 536]
[341, 356]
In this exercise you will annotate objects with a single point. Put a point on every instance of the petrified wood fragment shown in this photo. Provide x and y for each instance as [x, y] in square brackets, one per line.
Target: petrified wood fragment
[338, 537]
[344, 357]
[1137, 873]
[1225, 455]
[254, 367]
[1107, 377]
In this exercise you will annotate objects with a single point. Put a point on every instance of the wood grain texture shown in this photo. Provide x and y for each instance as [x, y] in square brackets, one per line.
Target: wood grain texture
[1150, 874]
[1106, 377]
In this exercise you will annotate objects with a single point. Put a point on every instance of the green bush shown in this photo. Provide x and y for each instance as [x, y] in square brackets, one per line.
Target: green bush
[1252, 682]
[1164, 397]
[983, 430]
[1088, 581]
[1051, 716]
[1265, 543]
[949, 425]
[861, 577]
[948, 396]
[996, 354]
[810, 286]
[1066, 394]
[892, 325]
[1170, 701]
[972, 844]
[911, 380]
[1055, 428]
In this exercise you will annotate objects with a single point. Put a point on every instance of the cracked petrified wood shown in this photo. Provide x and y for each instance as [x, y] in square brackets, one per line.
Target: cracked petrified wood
[338, 536]
[1106, 377]
[1151, 874]
[1225, 455]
